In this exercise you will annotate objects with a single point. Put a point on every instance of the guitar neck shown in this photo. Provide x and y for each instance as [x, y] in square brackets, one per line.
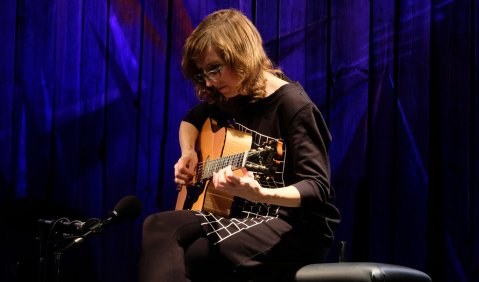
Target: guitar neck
[211, 166]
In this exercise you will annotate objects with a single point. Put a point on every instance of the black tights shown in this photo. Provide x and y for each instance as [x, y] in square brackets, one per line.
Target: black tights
[175, 248]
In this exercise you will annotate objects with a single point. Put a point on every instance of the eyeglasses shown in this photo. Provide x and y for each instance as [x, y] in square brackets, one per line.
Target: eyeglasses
[212, 75]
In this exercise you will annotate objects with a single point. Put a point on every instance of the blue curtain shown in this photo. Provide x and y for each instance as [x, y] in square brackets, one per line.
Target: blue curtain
[91, 96]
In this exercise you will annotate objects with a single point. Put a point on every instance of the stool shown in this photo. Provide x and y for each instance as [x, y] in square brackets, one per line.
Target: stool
[359, 272]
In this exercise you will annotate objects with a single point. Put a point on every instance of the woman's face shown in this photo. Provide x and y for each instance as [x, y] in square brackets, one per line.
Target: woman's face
[228, 81]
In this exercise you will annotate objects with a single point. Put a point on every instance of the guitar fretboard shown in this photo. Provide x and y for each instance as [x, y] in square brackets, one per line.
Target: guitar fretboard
[207, 168]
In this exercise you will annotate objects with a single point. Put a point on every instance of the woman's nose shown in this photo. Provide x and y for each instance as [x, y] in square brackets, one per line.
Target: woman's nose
[208, 82]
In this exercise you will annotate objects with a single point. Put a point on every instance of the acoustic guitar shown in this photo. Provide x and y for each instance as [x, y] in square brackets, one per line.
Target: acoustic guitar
[218, 148]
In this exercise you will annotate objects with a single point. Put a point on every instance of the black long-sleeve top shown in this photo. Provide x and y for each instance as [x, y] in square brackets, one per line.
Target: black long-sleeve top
[290, 115]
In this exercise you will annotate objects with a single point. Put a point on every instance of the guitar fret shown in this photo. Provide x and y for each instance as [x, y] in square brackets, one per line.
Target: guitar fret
[243, 159]
[211, 166]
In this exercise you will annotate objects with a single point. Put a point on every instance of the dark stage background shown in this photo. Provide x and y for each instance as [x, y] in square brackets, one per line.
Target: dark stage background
[91, 96]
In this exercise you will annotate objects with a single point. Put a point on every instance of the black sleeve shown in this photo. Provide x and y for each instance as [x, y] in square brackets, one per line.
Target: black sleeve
[309, 145]
[197, 115]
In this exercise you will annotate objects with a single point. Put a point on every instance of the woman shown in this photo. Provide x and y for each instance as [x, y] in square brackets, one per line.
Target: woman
[282, 217]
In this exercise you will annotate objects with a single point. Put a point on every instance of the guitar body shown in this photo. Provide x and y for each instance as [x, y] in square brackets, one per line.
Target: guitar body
[214, 143]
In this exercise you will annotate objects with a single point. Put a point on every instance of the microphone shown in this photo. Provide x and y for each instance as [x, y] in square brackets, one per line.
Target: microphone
[128, 208]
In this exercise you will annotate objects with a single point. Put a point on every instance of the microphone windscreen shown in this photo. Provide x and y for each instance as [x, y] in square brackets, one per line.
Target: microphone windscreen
[129, 207]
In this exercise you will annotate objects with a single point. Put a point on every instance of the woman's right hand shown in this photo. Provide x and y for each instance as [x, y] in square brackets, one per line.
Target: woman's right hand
[185, 168]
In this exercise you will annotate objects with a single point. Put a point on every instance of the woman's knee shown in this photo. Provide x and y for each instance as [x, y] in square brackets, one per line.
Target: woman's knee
[154, 226]
[152, 222]
[168, 223]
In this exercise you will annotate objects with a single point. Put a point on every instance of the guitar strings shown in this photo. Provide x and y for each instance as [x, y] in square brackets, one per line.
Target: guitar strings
[207, 168]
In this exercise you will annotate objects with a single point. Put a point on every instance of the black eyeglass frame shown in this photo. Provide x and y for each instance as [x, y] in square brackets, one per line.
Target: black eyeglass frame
[211, 75]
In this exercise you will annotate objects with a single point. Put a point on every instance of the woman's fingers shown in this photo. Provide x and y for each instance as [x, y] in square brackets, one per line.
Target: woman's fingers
[223, 177]
[183, 174]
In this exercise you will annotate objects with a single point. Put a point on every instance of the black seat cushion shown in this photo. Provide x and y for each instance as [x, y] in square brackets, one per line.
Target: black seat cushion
[359, 272]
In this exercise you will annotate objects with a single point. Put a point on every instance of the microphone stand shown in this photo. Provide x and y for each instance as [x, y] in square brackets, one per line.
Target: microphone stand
[53, 239]
[57, 263]
[96, 229]
[44, 261]
[129, 207]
